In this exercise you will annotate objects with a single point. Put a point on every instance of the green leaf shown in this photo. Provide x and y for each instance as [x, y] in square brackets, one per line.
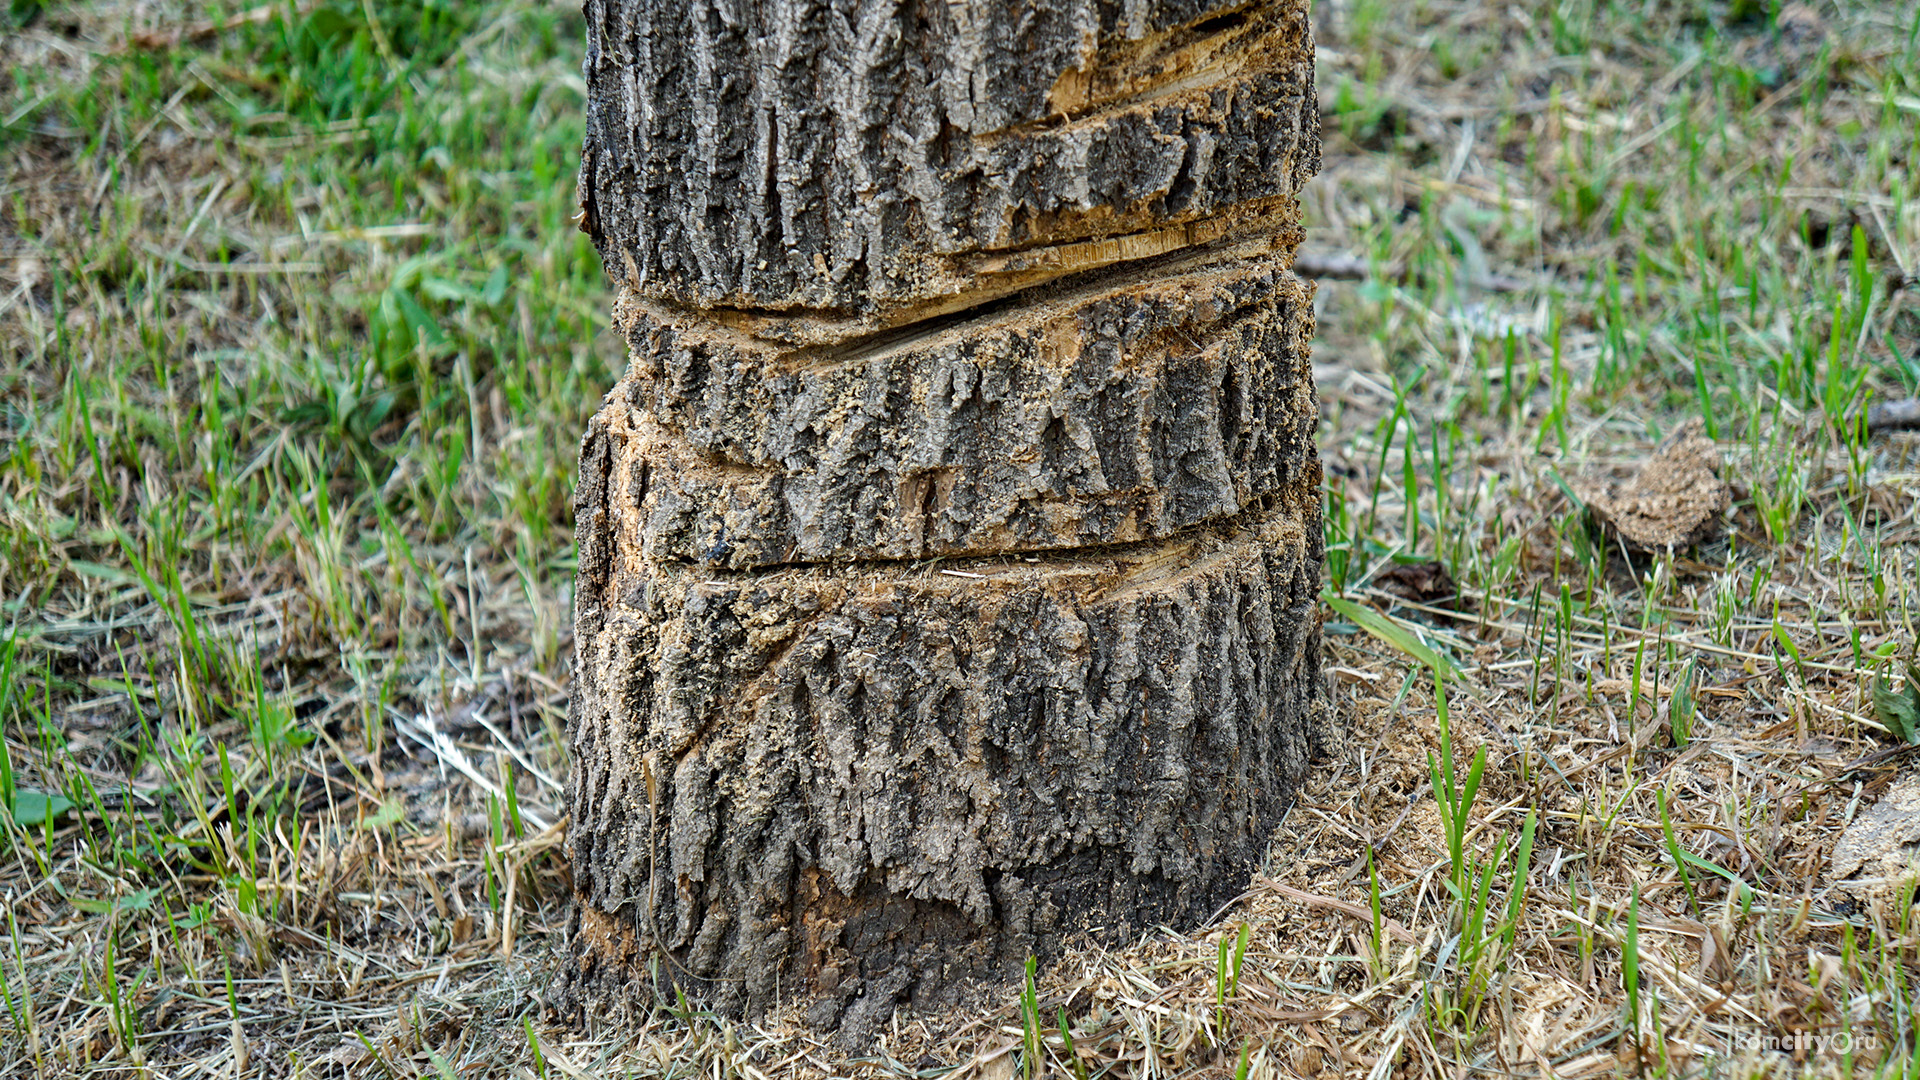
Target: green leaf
[35, 807]
[312, 412]
[418, 321]
[1714, 868]
[101, 571]
[1394, 634]
[1373, 291]
[196, 916]
[141, 900]
[329, 26]
[372, 413]
[1579, 504]
[443, 289]
[496, 289]
[1898, 709]
[389, 814]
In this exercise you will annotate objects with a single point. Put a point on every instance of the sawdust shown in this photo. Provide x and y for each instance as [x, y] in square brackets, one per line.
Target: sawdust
[1885, 839]
[1674, 501]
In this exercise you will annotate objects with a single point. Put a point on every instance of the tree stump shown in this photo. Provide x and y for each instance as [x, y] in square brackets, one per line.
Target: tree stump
[949, 551]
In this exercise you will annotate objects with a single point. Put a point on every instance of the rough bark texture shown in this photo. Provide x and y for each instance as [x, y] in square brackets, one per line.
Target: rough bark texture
[871, 783]
[872, 155]
[1123, 412]
[948, 553]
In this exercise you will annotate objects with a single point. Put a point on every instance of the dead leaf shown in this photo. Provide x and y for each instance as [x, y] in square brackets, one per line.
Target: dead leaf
[1716, 967]
[1421, 582]
[1801, 24]
[998, 1068]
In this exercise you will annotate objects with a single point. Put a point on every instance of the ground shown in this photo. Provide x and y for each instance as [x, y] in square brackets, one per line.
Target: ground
[297, 340]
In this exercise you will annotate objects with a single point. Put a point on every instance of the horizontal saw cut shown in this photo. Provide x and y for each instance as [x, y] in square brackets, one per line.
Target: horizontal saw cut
[1122, 415]
[869, 159]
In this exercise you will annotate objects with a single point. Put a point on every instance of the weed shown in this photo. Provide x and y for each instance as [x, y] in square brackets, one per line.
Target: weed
[1898, 708]
[1454, 795]
[1226, 977]
[1031, 1046]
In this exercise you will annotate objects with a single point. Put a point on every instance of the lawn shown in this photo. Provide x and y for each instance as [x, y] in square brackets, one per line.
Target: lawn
[297, 339]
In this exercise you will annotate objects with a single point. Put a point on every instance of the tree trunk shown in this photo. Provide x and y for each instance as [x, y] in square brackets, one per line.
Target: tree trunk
[949, 552]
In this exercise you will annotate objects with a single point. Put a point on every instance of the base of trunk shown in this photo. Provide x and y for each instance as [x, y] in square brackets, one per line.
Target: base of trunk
[871, 785]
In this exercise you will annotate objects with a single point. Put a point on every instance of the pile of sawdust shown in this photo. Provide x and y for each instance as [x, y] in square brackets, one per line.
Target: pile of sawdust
[1675, 500]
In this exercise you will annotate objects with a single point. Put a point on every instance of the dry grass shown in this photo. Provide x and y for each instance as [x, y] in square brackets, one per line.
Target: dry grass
[297, 342]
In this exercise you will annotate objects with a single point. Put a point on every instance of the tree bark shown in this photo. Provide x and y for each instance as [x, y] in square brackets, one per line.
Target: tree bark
[872, 158]
[1126, 411]
[949, 551]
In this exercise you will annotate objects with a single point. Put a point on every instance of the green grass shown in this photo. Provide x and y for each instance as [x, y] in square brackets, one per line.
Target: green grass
[1639, 214]
[297, 339]
[301, 338]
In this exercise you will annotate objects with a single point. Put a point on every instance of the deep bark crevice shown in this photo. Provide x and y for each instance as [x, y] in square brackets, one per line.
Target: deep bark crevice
[698, 114]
